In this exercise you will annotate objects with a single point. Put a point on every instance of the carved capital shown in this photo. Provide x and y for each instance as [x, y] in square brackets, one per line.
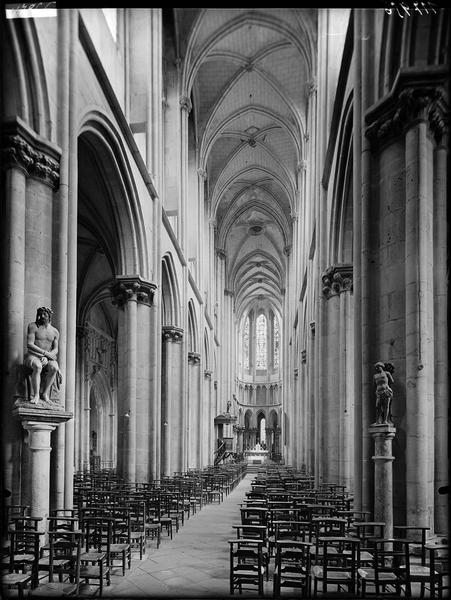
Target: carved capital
[208, 374]
[296, 373]
[336, 280]
[304, 356]
[287, 250]
[19, 152]
[221, 253]
[400, 112]
[132, 288]
[202, 173]
[194, 358]
[185, 104]
[311, 87]
[172, 333]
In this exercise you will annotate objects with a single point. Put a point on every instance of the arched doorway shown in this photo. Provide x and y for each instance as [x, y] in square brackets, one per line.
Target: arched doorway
[261, 431]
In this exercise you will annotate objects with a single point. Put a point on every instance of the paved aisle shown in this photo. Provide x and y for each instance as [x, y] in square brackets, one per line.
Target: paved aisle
[194, 564]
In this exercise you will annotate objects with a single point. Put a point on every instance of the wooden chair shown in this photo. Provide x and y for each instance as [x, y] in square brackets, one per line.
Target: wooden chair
[95, 561]
[292, 567]
[390, 573]
[246, 565]
[120, 548]
[256, 532]
[340, 561]
[437, 558]
[64, 561]
[325, 527]
[137, 526]
[23, 556]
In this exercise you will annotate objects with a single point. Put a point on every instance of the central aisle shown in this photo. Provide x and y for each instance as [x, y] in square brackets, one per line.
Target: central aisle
[195, 563]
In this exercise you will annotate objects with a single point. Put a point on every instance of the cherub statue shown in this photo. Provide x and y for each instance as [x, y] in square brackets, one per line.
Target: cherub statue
[384, 394]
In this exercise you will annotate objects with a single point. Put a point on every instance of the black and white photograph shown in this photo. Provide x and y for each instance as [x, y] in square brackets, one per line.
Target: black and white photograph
[225, 285]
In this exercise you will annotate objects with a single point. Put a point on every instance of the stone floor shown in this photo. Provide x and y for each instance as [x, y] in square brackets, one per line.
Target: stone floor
[194, 564]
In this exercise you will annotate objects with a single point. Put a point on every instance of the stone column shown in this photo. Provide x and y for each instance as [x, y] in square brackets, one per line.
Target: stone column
[419, 253]
[207, 433]
[13, 269]
[172, 431]
[127, 292]
[383, 475]
[39, 424]
[441, 391]
[194, 409]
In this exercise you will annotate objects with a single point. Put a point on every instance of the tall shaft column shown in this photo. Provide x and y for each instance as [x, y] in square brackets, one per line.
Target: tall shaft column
[419, 324]
[13, 267]
[127, 293]
[171, 393]
[441, 391]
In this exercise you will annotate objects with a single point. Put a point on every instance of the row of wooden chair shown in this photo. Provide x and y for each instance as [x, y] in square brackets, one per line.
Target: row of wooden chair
[341, 552]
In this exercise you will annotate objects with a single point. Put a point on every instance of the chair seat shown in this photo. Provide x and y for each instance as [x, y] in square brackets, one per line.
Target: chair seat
[15, 578]
[317, 571]
[370, 574]
[119, 548]
[417, 571]
[57, 562]
[92, 556]
[54, 590]
[136, 535]
[23, 557]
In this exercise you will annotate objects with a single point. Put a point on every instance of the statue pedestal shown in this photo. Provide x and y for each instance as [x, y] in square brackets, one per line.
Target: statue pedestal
[39, 423]
[383, 435]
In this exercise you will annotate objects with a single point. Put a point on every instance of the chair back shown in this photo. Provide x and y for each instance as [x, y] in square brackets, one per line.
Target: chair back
[64, 555]
[389, 556]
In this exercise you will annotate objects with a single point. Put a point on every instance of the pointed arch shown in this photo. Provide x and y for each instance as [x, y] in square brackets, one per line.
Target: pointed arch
[193, 343]
[170, 298]
[102, 153]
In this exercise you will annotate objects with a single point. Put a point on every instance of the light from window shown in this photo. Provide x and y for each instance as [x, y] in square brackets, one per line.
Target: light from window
[261, 342]
[276, 357]
[111, 19]
[246, 344]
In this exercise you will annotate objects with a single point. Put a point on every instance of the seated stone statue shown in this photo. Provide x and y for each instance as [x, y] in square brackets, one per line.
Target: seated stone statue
[40, 359]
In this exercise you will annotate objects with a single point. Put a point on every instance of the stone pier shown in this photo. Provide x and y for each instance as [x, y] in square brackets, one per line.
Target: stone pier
[383, 435]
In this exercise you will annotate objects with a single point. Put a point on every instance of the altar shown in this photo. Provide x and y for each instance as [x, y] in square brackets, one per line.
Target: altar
[256, 457]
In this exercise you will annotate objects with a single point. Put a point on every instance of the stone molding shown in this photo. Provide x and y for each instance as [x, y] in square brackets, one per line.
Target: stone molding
[403, 109]
[208, 374]
[185, 104]
[336, 280]
[132, 287]
[202, 173]
[221, 253]
[20, 153]
[172, 333]
[194, 358]
[304, 356]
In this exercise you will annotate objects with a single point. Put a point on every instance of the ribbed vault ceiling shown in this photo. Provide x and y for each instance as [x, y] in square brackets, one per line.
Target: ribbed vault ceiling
[247, 72]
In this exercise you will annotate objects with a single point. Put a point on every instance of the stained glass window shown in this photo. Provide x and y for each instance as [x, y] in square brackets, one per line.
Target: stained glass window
[246, 344]
[261, 342]
[276, 343]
